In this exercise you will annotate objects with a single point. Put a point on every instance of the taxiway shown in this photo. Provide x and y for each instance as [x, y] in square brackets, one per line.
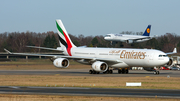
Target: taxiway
[84, 72]
[75, 91]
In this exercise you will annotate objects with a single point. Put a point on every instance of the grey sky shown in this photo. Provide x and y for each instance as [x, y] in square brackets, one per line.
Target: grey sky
[90, 17]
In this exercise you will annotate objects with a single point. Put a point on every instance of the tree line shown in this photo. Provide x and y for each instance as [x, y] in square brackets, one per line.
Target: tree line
[17, 41]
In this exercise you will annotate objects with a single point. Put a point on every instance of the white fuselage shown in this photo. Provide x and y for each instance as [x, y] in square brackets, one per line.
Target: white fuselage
[127, 57]
[123, 38]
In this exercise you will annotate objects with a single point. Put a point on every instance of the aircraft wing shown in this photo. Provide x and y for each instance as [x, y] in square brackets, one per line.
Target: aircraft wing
[92, 58]
[58, 49]
[174, 51]
[140, 38]
[68, 57]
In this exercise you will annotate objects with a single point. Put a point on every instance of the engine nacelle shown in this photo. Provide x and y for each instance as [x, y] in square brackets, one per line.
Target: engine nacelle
[129, 41]
[99, 66]
[170, 62]
[61, 62]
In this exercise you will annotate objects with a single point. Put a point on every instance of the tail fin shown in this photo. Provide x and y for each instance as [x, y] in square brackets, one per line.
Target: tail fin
[147, 31]
[65, 41]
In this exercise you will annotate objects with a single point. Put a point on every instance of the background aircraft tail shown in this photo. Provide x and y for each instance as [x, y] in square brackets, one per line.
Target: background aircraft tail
[64, 40]
[147, 31]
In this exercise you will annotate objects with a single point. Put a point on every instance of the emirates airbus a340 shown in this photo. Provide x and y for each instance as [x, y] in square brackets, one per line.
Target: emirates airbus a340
[103, 60]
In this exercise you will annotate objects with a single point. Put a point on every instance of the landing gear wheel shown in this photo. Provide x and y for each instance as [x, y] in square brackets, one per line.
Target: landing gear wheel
[110, 71]
[94, 72]
[123, 71]
[126, 71]
[119, 71]
[90, 71]
[107, 72]
[156, 72]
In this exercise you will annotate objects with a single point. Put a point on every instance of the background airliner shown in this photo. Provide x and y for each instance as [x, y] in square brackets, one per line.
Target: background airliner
[129, 38]
[103, 59]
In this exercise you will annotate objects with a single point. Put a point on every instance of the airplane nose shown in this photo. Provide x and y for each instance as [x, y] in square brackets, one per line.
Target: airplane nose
[105, 37]
[166, 60]
[163, 61]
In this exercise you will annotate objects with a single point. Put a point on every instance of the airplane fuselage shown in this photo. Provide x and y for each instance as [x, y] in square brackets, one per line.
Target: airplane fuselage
[124, 38]
[126, 57]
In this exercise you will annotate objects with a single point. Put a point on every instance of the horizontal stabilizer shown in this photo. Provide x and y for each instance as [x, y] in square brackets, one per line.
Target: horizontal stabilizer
[46, 48]
[7, 51]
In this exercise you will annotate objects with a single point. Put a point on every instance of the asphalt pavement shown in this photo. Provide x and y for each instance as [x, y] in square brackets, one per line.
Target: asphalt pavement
[75, 91]
[85, 72]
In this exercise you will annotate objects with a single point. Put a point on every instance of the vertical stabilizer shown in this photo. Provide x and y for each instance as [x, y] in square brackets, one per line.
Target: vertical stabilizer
[147, 31]
[65, 41]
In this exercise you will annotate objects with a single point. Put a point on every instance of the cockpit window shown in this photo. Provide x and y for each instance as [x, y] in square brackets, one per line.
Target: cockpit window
[162, 55]
[108, 36]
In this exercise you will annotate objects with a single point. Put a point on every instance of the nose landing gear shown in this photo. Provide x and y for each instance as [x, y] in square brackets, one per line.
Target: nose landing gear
[156, 72]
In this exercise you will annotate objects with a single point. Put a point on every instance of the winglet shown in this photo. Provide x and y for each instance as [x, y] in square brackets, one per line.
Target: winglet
[7, 51]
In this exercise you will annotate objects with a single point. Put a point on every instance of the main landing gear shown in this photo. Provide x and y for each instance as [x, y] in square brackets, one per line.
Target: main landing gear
[123, 71]
[95, 72]
[110, 71]
[156, 72]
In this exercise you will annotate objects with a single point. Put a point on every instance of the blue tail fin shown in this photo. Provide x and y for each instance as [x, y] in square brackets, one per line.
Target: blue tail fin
[147, 31]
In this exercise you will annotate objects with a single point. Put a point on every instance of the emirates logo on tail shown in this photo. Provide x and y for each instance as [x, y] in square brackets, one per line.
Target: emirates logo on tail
[65, 40]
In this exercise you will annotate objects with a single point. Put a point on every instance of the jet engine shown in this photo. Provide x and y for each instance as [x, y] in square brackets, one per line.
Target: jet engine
[170, 62]
[99, 66]
[129, 41]
[61, 62]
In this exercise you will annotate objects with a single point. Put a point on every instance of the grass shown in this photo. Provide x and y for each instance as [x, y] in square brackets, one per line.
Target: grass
[13, 97]
[40, 67]
[59, 80]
